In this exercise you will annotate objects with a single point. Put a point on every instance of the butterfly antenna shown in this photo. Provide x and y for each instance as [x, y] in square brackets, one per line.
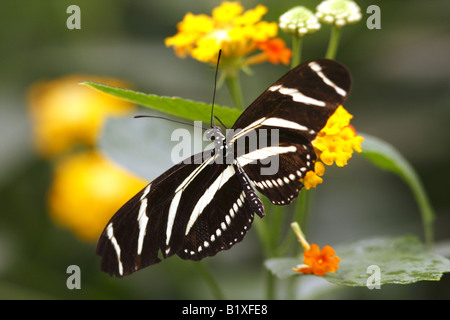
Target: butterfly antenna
[213, 122]
[221, 122]
[158, 117]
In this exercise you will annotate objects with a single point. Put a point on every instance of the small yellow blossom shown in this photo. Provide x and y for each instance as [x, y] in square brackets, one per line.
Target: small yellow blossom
[337, 121]
[335, 143]
[231, 29]
[65, 114]
[87, 189]
[313, 178]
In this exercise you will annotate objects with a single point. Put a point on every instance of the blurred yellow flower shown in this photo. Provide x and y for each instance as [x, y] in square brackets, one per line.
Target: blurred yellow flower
[335, 143]
[65, 114]
[235, 31]
[86, 191]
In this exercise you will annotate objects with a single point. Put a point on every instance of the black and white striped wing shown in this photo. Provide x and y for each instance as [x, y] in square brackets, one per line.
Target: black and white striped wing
[297, 106]
[221, 216]
[200, 207]
[193, 210]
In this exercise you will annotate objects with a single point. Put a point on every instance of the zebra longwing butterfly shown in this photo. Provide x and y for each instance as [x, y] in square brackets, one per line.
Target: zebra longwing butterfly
[202, 206]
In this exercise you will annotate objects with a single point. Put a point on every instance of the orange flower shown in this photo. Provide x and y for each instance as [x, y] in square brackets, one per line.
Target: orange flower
[276, 51]
[318, 261]
[315, 261]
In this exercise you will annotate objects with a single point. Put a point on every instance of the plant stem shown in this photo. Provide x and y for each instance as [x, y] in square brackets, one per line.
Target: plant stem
[270, 285]
[334, 41]
[296, 51]
[302, 206]
[234, 87]
[210, 281]
[268, 239]
[300, 216]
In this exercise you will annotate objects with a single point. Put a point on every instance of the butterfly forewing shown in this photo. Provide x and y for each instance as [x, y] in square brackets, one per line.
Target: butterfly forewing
[295, 108]
[307, 96]
[224, 219]
[138, 232]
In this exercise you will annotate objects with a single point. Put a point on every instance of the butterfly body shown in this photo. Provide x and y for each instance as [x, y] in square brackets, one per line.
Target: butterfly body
[207, 203]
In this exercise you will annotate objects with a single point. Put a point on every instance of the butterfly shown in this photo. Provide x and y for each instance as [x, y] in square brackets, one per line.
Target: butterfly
[207, 203]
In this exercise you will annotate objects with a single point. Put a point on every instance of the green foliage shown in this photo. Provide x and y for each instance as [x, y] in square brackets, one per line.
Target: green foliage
[386, 157]
[402, 260]
[182, 108]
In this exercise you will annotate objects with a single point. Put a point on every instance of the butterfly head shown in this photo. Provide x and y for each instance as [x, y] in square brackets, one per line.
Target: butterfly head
[215, 134]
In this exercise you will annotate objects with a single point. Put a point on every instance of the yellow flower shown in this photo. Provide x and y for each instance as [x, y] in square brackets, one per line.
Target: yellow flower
[235, 31]
[313, 178]
[87, 189]
[335, 143]
[65, 113]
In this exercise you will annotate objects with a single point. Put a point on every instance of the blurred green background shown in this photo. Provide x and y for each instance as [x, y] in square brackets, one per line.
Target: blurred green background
[401, 93]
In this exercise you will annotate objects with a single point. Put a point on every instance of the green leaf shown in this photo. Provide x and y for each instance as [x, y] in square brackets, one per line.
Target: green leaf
[386, 157]
[282, 267]
[186, 109]
[401, 260]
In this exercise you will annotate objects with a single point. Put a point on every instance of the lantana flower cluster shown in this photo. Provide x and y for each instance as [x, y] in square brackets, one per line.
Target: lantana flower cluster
[334, 144]
[236, 32]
